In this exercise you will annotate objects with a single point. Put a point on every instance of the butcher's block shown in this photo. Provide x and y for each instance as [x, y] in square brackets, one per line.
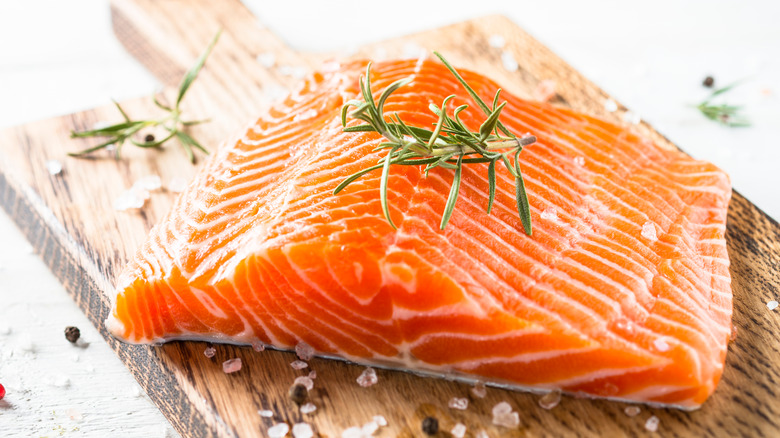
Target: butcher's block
[71, 221]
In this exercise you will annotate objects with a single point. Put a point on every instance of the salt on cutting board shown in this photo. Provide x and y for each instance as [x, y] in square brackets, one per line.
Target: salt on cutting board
[86, 242]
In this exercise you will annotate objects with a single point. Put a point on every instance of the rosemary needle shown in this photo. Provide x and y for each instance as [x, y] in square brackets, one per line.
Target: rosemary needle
[450, 144]
[728, 115]
[172, 122]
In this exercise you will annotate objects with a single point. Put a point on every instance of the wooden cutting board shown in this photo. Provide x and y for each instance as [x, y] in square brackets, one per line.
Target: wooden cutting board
[70, 221]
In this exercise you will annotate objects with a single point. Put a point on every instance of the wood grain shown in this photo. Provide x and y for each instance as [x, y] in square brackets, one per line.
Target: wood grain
[70, 221]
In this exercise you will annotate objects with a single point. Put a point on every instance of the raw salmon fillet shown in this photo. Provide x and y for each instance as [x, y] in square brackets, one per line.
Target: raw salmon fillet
[622, 292]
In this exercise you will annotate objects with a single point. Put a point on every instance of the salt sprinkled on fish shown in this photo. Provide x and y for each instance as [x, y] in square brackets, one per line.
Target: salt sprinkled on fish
[292, 71]
[661, 345]
[496, 41]
[509, 62]
[304, 351]
[302, 430]
[367, 378]
[308, 408]
[298, 364]
[458, 403]
[459, 431]
[632, 411]
[278, 430]
[580, 161]
[652, 424]
[54, 167]
[550, 214]
[648, 231]
[231, 365]
[177, 184]
[550, 400]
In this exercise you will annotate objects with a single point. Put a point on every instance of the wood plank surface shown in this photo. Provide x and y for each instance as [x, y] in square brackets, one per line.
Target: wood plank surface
[70, 220]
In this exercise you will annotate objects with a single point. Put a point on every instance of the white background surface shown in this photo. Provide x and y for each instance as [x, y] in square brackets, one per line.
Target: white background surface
[58, 57]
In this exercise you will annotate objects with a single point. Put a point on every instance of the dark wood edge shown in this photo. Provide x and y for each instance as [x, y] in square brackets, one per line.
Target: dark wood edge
[144, 361]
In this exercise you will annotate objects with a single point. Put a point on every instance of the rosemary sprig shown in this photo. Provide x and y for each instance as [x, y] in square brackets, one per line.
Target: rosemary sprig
[172, 122]
[450, 144]
[728, 115]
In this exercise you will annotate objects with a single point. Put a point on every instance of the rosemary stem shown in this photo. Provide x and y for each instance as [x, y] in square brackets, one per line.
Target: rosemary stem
[491, 146]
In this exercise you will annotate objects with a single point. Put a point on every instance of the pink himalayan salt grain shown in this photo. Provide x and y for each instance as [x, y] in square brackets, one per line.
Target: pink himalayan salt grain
[304, 351]
[367, 378]
[312, 374]
[550, 400]
[210, 352]
[258, 346]
[305, 381]
[231, 365]
[298, 364]
[458, 403]
[632, 411]
[479, 390]
[652, 424]
[459, 431]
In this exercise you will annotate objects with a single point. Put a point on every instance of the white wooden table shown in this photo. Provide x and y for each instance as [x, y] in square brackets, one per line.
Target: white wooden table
[58, 57]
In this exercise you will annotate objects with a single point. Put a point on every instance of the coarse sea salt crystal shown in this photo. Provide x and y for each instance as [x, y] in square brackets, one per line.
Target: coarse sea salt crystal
[177, 184]
[459, 431]
[75, 415]
[304, 351]
[231, 365]
[302, 430]
[661, 345]
[380, 420]
[772, 305]
[509, 62]
[550, 400]
[267, 59]
[298, 364]
[458, 403]
[278, 430]
[367, 378]
[610, 105]
[369, 428]
[580, 161]
[352, 432]
[209, 352]
[305, 115]
[632, 411]
[312, 374]
[550, 214]
[149, 183]
[305, 381]
[265, 413]
[481, 434]
[61, 382]
[652, 423]
[648, 231]
[308, 408]
[502, 408]
[632, 117]
[54, 167]
[497, 41]
[131, 199]
[479, 390]
[510, 420]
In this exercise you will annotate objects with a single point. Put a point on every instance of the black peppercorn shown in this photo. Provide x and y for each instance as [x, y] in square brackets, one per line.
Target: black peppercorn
[72, 334]
[298, 393]
[430, 426]
[708, 82]
[149, 138]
